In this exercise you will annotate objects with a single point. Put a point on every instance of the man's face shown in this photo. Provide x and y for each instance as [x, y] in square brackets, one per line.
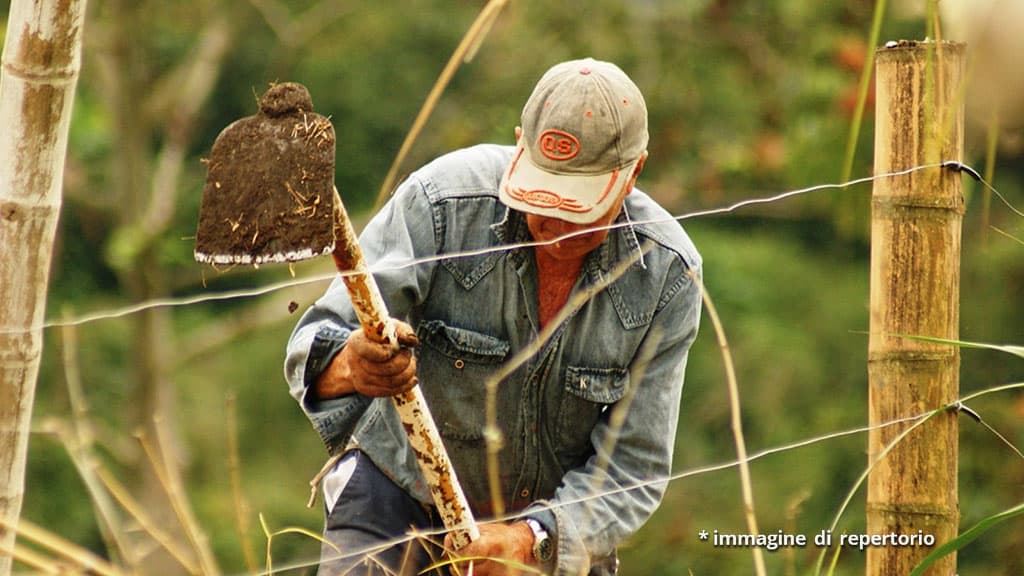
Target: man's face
[546, 228]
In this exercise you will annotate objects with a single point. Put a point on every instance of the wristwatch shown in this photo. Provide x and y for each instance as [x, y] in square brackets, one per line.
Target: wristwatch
[543, 547]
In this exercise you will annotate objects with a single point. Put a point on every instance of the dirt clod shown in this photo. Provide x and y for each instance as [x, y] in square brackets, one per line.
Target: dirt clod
[269, 193]
[286, 98]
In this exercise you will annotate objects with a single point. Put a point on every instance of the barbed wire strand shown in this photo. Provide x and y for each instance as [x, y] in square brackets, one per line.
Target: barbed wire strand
[961, 167]
[634, 486]
[914, 420]
[114, 313]
[1008, 235]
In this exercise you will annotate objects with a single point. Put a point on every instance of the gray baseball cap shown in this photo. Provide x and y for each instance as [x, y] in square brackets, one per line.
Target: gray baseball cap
[584, 130]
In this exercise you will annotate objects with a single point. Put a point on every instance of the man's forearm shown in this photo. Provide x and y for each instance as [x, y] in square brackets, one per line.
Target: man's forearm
[335, 381]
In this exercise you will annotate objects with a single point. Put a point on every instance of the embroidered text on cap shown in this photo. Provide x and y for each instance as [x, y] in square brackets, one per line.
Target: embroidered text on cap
[558, 145]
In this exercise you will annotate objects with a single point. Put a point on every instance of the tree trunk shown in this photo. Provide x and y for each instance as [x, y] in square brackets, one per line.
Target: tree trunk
[41, 60]
[915, 290]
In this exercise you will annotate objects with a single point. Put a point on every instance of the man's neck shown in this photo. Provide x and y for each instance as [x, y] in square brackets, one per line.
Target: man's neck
[555, 280]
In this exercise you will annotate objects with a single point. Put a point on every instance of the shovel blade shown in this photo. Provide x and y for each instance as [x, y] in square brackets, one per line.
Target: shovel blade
[269, 192]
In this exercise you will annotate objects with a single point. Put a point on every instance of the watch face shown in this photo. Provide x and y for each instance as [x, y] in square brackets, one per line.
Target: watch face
[543, 549]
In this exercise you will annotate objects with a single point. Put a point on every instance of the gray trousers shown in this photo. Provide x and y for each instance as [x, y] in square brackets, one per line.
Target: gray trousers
[370, 513]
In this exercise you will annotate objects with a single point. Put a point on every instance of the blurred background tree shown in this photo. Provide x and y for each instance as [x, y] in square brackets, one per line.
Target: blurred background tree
[746, 99]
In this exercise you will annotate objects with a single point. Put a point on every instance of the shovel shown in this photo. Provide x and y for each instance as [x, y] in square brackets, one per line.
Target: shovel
[270, 197]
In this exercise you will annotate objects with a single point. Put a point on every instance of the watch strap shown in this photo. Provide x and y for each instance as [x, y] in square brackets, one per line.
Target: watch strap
[543, 547]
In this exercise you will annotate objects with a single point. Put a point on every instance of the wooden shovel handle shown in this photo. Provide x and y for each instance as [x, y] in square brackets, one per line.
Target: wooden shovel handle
[412, 408]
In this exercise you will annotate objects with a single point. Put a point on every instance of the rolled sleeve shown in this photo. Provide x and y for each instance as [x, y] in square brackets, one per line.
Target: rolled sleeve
[310, 351]
[333, 419]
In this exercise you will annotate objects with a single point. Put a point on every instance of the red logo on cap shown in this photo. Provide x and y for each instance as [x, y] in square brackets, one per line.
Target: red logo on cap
[558, 145]
[546, 199]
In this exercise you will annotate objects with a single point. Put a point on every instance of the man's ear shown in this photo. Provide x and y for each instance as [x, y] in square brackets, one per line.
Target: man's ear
[519, 133]
[636, 171]
[640, 164]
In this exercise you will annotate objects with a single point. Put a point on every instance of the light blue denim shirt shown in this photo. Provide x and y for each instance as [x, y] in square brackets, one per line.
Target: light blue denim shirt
[607, 383]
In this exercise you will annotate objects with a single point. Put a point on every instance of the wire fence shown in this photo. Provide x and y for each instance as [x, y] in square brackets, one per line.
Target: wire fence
[243, 293]
[740, 462]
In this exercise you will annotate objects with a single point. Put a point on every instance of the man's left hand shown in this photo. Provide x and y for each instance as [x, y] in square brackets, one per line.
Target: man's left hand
[507, 547]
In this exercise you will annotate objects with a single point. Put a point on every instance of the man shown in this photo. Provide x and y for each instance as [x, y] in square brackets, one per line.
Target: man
[588, 422]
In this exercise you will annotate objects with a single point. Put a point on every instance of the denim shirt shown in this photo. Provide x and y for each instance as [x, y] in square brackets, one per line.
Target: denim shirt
[587, 422]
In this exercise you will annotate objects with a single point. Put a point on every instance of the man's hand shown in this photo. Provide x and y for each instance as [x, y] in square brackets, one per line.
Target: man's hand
[370, 368]
[510, 542]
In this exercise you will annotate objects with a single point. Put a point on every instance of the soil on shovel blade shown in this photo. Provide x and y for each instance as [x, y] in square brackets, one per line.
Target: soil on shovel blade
[269, 193]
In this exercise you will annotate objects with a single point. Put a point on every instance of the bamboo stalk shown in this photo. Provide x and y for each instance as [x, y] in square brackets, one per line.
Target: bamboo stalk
[149, 525]
[175, 488]
[32, 559]
[79, 440]
[60, 547]
[240, 502]
[915, 287]
[39, 72]
[746, 484]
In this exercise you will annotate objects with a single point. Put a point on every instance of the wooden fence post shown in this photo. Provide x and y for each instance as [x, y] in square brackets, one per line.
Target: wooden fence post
[915, 290]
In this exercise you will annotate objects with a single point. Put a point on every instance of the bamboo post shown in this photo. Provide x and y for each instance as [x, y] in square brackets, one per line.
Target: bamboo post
[40, 64]
[915, 290]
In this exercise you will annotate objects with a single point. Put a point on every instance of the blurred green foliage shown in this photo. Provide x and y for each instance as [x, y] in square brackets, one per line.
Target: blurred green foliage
[746, 98]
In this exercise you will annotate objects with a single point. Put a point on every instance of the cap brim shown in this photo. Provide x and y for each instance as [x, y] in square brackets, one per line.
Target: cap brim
[581, 199]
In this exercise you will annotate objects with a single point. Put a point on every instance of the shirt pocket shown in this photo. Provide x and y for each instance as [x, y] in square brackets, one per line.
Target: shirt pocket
[587, 394]
[453, 365]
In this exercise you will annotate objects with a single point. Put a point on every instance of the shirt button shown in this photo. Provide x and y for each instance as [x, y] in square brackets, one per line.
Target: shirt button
[459, 364]
[524, 493]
